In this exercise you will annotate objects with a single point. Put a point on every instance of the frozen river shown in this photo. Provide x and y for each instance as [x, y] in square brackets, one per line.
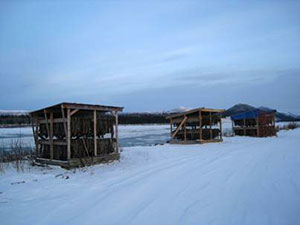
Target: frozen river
[129, 135]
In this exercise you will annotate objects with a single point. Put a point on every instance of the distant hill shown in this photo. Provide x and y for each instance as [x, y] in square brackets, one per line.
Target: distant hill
[21, 117]
[286, 117]
[180, 109]
[14, 113]
[142, 118]
[240, 108]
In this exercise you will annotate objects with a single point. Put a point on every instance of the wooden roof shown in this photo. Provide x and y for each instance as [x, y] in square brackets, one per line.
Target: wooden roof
[195, 110]
[80, 106]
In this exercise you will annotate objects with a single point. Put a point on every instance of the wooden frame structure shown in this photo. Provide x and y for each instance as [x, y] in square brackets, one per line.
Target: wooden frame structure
[254, 123]
[72, 134]
[199, 125]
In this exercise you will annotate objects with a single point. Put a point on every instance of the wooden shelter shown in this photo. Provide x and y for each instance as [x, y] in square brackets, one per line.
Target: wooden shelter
[199, 125]
[254, 123]
[72, 134]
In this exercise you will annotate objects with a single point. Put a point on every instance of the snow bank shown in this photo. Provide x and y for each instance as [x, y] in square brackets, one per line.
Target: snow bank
[240, 181]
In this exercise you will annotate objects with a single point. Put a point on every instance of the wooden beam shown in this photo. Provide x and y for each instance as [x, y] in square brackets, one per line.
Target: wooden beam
[184, 131]
[244, 127]
[35, 134]
[171, 123]
[190, 119]
[92, 107]
[51, 135]
[95, 133]
[220, 117]
[73, 112]
[117, 134]
[210, 141]
[200, 126]
[210, 122]
[257, 124]
[43, 142]
[179, 127]
[69, 135]
[47, 125]
[213, 110]
[232, 127]
[57, 120]
[52, 162]
[64, 118]
[32, 126]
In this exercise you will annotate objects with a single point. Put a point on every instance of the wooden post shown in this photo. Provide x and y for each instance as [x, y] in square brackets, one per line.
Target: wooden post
[257, 124]
[95, 133]
[35, 135]
[200, 126]
[117, 135]
[73, 112]
[48, 129]
[232, 125]
[184, 130]
[179, 126]
[171, 127]
[63, 116]
[33, 131]
[47, 125]
[69, 135]
[51, 135]
[210, 130]
[220, 127]
[244, 128]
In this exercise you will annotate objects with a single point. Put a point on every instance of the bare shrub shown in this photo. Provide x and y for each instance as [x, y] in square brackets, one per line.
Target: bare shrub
[289, 126]
[293, 125]
[1, 168]
[16, 154]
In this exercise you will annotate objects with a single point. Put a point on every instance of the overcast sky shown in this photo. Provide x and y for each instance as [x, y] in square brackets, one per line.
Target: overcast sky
[150, 55]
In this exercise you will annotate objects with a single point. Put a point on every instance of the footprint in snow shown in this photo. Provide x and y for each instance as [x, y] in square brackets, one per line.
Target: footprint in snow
[18, 182]
[62, 176]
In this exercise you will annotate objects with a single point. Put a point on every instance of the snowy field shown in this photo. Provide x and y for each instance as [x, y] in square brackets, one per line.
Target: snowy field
[242, 180]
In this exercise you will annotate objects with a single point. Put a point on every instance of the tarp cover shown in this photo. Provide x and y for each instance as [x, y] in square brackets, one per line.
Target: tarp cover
[246, 115]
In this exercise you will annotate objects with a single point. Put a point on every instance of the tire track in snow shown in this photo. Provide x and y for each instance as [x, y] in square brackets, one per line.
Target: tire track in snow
[147, 173]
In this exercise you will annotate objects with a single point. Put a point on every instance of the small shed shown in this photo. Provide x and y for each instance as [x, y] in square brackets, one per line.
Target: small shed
[254, 123]
[199, 125]
[72, 134]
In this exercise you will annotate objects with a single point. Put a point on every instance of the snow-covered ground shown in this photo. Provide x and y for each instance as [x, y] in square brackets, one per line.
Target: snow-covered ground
[242, 180]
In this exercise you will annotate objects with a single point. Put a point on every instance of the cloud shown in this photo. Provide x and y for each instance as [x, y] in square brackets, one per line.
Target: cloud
[163, 52]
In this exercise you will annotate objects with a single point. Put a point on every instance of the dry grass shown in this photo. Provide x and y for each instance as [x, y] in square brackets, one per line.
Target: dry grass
[17, 154]
[289, 126]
